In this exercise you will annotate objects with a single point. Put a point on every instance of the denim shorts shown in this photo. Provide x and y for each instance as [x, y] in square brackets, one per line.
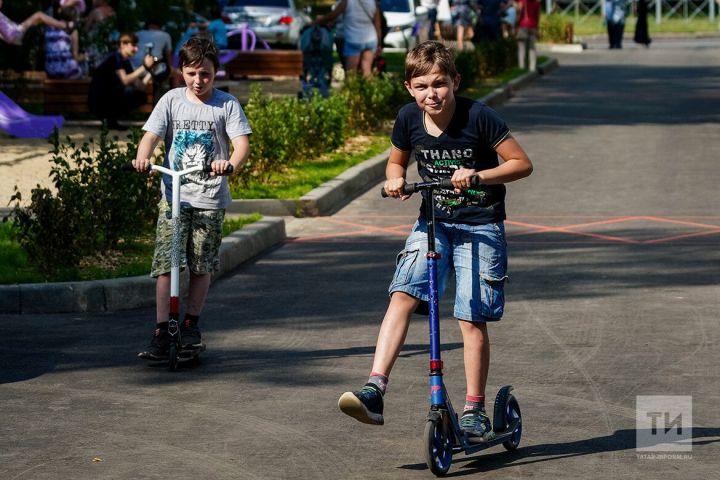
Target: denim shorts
[200, 239]
[477, 254]
[353, 49]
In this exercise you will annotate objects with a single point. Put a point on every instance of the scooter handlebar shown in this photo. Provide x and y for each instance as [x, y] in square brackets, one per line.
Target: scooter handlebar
[128, 167]
[411, 188]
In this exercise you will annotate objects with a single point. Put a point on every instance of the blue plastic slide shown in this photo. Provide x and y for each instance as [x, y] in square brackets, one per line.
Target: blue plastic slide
[17, 122]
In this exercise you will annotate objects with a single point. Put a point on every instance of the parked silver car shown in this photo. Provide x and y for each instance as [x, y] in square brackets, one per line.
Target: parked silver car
[278, 22]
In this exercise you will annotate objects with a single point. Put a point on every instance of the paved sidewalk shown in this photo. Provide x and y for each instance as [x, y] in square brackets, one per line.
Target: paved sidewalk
[613, 295]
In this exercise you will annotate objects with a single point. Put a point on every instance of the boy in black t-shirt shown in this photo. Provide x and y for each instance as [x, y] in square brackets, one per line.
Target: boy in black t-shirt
[453, 138]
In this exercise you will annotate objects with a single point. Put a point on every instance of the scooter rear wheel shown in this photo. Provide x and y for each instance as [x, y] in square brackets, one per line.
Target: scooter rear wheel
[438, 445]
[173, 356]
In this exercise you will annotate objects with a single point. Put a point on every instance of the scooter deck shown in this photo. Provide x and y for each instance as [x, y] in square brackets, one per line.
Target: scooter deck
[184, 354]
[188, 353]
[475, 445]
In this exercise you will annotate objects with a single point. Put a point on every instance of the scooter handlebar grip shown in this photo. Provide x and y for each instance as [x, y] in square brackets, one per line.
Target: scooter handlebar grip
[447, 183]
[228, 170]
[407, 189]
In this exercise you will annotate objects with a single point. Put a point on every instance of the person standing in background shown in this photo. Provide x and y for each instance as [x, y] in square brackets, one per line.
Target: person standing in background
[216, 27]
[362, 32]
[528, 20]
[63, 58]
[158, 44]
[489, 21]
[615, 20]
[432, 9]
[641, 26]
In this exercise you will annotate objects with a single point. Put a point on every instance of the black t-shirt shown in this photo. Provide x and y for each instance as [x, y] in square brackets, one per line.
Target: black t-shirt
[468, 141]
[105, 76]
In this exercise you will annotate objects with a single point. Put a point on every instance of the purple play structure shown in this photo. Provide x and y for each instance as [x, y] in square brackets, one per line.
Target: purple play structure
[17, 122]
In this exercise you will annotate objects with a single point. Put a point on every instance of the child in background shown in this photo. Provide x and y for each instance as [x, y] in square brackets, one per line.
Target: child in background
[13, 33]
[198, 124]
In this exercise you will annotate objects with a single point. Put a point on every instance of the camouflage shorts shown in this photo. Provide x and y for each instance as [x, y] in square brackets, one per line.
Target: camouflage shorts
[200, 238]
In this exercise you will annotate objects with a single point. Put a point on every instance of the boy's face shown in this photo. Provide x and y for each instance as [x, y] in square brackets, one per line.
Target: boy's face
[127, 47]
[199, 79]
[434, 92]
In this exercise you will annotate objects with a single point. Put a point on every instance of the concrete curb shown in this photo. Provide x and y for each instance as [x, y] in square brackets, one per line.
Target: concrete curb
[132, 292]
[325, 199]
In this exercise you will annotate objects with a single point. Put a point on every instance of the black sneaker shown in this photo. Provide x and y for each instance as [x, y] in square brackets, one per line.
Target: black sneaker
[477, 425]
[190, 334]
[364, 405]
[158, 348]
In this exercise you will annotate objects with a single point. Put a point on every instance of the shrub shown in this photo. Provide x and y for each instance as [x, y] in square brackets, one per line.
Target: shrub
[287, 130]
[94, 206]
[552, 28]
[494, 58]
[372, 101]
[467, 65]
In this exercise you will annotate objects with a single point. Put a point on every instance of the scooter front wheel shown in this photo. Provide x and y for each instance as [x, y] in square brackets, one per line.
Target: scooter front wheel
[512, 413]
[438, 444]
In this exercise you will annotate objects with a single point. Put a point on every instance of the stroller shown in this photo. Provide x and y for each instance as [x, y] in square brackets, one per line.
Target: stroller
[316, 43]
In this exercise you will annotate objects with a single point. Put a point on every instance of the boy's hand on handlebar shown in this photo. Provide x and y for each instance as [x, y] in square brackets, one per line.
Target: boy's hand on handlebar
[395, 187]
[462, 179]
[221, 167]
[141, 165]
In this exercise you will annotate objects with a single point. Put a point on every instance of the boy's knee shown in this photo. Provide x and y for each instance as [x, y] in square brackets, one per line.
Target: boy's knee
[404, 301]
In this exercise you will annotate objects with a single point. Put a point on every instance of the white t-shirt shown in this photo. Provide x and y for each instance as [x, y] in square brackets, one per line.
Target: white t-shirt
[160, 40]
[358, 21]
[197, 134]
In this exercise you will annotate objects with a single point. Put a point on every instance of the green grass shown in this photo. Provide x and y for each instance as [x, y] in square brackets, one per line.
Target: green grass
[594, 25]
[130, 259]
[297, 180]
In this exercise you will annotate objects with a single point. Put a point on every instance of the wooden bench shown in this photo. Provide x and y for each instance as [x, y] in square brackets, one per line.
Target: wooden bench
[70, 97]
[273, 63]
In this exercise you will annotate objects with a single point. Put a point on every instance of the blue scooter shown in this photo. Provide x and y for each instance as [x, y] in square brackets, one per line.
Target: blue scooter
[443, 435]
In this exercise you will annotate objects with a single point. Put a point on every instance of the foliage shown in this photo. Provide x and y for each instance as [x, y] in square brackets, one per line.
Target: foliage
[552, 28]
[372, 101]
[467, 65]
[95, 203]
[495, 57]
[131, 257]
[288, 130]
[296, 180]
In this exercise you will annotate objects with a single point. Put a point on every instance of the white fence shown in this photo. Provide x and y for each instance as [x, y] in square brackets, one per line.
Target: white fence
[687, 9]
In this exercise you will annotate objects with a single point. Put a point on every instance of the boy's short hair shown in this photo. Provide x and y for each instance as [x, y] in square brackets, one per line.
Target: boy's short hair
[128, 37]
[196, 50]
[424, 57]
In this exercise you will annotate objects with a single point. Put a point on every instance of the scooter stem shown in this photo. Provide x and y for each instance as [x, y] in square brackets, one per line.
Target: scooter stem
[175, 239]
[437, 389]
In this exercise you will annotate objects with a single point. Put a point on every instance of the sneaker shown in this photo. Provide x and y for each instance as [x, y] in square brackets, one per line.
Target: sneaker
[364, 405]
[158, 348]
[476, 424]
[190, 334]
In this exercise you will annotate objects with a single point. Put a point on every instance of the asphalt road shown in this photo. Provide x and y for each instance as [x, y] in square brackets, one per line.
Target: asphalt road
[613, 295]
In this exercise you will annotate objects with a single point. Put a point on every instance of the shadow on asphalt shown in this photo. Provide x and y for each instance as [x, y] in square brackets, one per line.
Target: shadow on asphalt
[620, 440]
[363, 267]
[608, 103]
